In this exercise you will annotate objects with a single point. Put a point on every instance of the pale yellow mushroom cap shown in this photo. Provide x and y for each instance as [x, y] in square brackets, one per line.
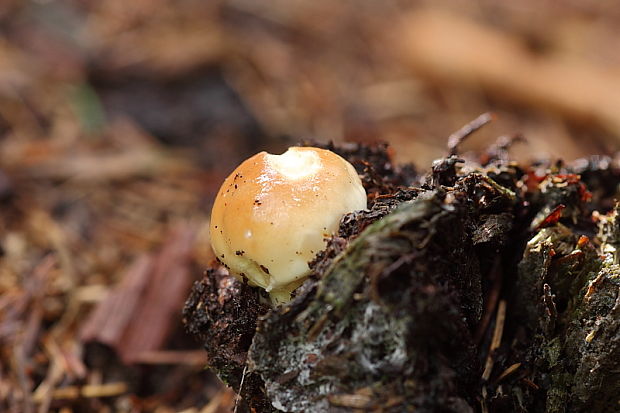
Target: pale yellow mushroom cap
[272, 215]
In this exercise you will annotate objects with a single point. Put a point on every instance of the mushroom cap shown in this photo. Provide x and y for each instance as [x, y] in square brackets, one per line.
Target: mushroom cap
[272, 214]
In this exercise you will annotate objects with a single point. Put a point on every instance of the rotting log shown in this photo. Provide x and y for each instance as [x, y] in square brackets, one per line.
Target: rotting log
[486, 288]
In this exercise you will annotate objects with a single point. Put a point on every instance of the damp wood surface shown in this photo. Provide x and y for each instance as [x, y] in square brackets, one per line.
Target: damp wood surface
[473, 288]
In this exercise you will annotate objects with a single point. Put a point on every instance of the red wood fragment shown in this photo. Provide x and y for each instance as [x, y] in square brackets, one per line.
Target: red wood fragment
[583, 240]
[530, 383]
[164, 297]
[532, 180]
[187, 357]
[553, 217]
[584, 194]
[139, 314]
[108, 322]
[575, 257]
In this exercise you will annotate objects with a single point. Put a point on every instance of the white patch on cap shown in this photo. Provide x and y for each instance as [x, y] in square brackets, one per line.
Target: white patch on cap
[295, 163]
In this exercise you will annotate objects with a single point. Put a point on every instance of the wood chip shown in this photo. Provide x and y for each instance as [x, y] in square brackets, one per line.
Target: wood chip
[87, 391]
[496, 340]
[137, 315]
[353, 401]
[509, 371]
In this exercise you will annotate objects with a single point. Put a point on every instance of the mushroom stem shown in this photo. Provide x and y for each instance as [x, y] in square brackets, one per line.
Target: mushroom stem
[279, 297]
[282, 295]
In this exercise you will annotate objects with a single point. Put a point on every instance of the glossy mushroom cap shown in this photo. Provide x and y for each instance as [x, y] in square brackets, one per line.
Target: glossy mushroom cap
[272, 215]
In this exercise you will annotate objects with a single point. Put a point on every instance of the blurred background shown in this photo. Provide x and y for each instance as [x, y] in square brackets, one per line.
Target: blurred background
[119, 120]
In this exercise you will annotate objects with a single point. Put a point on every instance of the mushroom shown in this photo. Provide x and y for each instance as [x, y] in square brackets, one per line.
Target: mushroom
[273, 214]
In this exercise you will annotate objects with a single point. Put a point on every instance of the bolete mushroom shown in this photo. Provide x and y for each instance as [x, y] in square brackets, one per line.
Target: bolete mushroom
[273, 213]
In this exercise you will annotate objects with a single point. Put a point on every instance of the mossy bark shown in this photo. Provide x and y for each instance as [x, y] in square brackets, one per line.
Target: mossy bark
[401, 313]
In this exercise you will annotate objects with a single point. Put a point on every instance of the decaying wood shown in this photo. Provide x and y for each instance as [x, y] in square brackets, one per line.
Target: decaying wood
[108, 322]
[136, 316]
[394, 316]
